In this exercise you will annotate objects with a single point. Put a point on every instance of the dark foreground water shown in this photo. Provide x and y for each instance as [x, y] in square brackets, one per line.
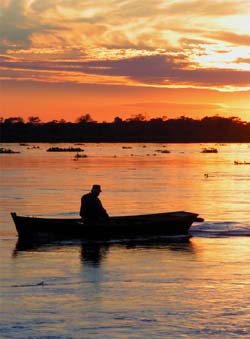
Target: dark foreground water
[197, 287]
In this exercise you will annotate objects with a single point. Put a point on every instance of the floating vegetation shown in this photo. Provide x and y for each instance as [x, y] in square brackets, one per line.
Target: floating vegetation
[7, 151]
[126, 147]
[69, 149]
[162, 151]
[78, 156]
[241, 163]
[33, 147]
[149, 155]
[209, 150]
[23, 144]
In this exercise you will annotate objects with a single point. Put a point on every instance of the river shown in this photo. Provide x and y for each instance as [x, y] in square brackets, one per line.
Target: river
[183, 288]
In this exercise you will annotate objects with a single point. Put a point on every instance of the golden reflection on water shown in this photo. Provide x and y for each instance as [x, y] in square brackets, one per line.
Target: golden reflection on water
[196, 288]
[192, 286]
[165, 251]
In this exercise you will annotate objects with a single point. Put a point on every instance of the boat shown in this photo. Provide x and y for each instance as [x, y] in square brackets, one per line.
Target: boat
[159, 224]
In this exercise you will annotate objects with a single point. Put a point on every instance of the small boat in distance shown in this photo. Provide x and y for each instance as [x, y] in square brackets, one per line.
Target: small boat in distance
[159, 224]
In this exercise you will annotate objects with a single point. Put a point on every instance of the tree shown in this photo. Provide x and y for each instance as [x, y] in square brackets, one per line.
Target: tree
[117, 120]
[62, 121]
[84, 119]
[34, 120]
[137, 117]
[14, 120]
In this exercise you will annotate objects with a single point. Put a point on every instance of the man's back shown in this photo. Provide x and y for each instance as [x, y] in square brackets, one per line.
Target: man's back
[91, 208]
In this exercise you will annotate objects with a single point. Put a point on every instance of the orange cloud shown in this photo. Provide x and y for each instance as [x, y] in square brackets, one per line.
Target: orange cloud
[237, 39]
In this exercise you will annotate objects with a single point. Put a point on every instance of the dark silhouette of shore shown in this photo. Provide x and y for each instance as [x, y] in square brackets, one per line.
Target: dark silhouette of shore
[135, 129]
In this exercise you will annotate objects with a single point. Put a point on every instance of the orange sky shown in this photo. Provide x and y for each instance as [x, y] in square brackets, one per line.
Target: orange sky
[107, 58]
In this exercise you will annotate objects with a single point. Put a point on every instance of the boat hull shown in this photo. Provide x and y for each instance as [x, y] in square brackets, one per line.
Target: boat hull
[173, 223]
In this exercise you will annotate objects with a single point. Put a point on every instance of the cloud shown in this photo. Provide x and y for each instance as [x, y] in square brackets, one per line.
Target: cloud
[160, 70]
[155, 70]
[206, 8]
[233, 38]
[149, 43]
[18, 25]
[173, 105]
[13, 23]
[243, 60]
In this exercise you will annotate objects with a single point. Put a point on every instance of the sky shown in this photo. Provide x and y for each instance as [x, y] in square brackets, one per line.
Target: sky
[108, 58]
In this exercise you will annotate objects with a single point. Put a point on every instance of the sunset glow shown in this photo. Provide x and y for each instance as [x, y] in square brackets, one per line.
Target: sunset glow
[64, 58]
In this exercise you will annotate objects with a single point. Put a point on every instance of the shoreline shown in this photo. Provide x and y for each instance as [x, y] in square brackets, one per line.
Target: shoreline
[127, 141]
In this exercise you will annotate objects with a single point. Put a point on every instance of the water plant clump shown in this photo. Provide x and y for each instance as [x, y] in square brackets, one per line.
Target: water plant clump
[241, 162]
[162, 151]
[69, 149]
[7, 151]
[209, 150]
[78, 156]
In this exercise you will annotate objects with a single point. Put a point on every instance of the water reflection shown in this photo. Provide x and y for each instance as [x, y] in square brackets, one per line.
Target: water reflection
[94, 253]
[23, 245]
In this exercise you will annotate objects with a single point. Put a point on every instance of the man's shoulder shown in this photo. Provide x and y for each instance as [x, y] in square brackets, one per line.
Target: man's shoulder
[88, 196]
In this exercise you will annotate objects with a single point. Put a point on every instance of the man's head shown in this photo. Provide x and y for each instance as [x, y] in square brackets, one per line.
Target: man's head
[96, 189]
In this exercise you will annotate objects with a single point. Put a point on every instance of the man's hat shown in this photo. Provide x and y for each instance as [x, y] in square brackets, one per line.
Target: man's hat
[96, 188]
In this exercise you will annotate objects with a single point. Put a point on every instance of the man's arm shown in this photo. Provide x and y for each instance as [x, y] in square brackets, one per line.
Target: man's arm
[103, 212]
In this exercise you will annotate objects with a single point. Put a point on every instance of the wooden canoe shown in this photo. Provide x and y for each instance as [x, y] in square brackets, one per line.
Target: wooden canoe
[159, 224]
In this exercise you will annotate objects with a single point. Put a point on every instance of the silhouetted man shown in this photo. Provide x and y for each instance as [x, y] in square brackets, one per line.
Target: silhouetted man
[92, 210]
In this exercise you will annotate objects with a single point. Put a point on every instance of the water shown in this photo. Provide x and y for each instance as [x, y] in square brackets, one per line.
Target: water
[178, 288]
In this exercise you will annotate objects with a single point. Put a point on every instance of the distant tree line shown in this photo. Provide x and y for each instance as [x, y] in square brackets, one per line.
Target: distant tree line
[134, 129]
